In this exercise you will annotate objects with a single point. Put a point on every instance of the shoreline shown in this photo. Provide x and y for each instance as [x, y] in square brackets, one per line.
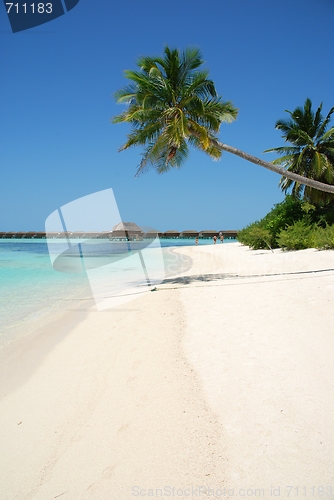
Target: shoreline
[33, 317]
[180, 387]
[119, 405]
[22, 355]
[41, 318]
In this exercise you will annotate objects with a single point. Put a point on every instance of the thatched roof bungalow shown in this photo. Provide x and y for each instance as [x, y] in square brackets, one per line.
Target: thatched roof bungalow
[49, 234]
[61, 235]
[2, 234]
[208, 233]
[105, 235]
[153, 233]
[171, 233]
[189, 233]
[229, 233]
[128, 230]
[77, 234]
[91, 234]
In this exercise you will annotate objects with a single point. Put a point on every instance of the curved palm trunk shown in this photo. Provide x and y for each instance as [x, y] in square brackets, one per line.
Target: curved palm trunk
[275, 168]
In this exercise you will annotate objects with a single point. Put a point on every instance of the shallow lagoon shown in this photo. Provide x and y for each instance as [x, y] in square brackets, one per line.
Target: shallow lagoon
[30, 288]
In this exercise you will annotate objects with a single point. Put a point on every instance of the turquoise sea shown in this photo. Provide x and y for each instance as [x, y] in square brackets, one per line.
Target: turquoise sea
[31, 289]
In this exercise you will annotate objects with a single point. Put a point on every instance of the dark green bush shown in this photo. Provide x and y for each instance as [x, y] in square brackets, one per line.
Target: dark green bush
[323, 216]
[264, 233]
[282, 215]
[323, 238]
[298, 236]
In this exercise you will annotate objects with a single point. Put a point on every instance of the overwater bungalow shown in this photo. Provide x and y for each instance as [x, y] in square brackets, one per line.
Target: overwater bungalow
[30, 234]
[49, 234]
[152, 233]
[189, 233]
[229, 233]
[171, 233]
[77, 234]
[123, 230]
[91, 234]
[208, 233]
[105, 235]
[126, 230]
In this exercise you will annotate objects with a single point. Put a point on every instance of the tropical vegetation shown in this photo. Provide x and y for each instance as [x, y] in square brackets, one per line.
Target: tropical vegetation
[293, 224]
[310, 152]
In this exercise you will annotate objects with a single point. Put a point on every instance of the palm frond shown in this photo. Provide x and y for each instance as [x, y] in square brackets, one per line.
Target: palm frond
[286, 150]
[171, 102]
[329, 135]
[311, 153]
[323, 127]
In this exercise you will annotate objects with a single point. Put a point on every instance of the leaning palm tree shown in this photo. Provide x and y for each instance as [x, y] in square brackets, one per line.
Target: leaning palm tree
[171, 105]
[310, 153]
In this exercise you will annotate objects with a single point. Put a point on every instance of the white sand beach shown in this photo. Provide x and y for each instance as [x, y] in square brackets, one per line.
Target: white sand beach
[218, 384]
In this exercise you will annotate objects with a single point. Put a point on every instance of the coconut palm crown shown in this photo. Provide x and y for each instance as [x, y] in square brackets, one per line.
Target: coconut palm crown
[310, 153]
[171, 105]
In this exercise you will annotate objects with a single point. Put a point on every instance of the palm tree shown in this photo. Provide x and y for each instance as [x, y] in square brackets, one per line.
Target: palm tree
[172, 104]
[311, 152]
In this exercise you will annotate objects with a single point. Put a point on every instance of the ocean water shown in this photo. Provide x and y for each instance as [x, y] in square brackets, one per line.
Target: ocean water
[29, 286]
[31, 289]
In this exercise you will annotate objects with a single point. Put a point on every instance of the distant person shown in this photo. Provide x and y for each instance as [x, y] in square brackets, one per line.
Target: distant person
[221, 236]
[214, 239]
[196, 241]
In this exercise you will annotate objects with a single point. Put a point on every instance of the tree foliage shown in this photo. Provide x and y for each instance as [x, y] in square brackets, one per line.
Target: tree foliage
[310, 152]
[293, 224]
[172, 104]
[282, 215]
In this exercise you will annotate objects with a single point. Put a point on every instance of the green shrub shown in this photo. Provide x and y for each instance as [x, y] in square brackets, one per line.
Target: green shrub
[323, 238]
[282, 215]
[264, 233]
[298, 236]
[323, 215]
[293, 224]
[255, 236]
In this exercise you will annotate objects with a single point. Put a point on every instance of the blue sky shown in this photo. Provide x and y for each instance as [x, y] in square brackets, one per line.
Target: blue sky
[57, 85]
